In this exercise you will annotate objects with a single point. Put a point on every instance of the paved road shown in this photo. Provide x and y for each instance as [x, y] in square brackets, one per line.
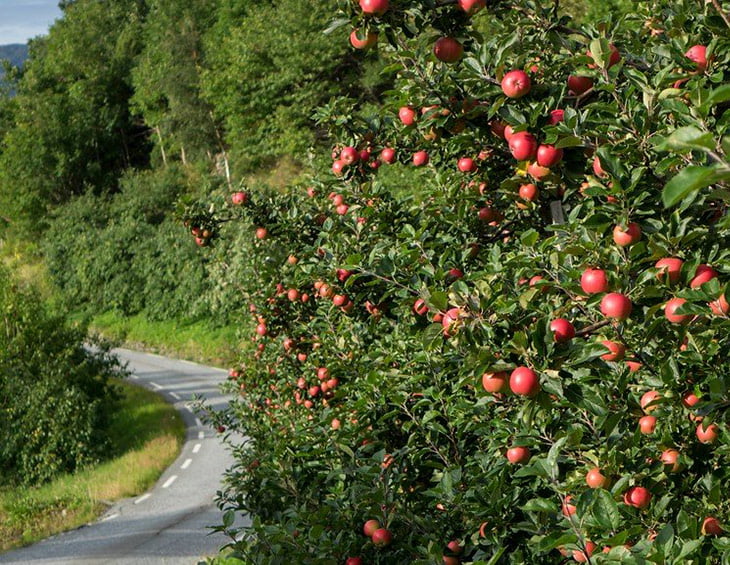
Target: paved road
[167, 525]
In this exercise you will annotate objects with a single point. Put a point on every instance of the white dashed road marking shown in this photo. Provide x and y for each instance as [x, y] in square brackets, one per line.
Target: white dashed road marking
[142, 498]
[110, 517]
[196, 448]
[155, 385]
[169, 481]
[175, 396]
[186, 464]
[201, 435]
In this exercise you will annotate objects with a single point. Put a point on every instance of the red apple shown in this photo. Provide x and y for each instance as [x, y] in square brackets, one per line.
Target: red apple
[239, 198]
[562, 330]
[548, 155]
[669, 267]
[370, 527]
[648, 401]
[670, 309]
[419, 307]
[703, 274]
[670, 459]
[354, 561]
[261, 233]
[516, 84]
[596, 479]
[466, 165]
[698, 54]
[523, 146]
[387, 155]
[567, 508]
[359, 42]
[450, 319]
[517, 455]
[472, 6]
[689, 399]
[338, 167]
[448, 50]
[455, 547]
[349, 155]
[494, 382]
[581, 556]
[407, 115]
[537, 172]
[524, 382]
[556, 116]
[613, 58]
[616, 351]
[638, 497]
[262, 330]
[594, 281]
[616, 305]
[647, 424]
[382, 537]
[374, 7]
[597, 168]
[529, 192]
[711, 527]
[579, 85]
[628, 236]
[420, 158]
[707, 434]
[720, 307]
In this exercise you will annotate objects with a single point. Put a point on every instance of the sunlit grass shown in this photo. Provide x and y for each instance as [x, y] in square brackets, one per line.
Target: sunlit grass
[146, 436]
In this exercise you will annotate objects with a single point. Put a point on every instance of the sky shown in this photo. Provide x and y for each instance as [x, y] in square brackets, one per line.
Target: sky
[22, 19]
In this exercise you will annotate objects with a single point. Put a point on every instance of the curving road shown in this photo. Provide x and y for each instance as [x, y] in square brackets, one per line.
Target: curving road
[168, 524]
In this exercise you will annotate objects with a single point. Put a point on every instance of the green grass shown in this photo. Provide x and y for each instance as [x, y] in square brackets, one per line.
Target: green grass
[195, 341]
[146, 436]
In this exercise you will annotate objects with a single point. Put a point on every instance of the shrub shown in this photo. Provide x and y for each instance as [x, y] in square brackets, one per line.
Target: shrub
[357, 407]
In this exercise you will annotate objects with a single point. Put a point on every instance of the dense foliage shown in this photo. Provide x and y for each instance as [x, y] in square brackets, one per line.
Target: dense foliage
[524, 353]
[55, 395]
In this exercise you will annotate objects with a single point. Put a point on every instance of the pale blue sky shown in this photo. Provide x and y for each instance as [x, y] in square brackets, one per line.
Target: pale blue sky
[22, 19]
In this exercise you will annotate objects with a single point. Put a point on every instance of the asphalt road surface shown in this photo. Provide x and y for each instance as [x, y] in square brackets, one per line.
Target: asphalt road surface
[168, 524]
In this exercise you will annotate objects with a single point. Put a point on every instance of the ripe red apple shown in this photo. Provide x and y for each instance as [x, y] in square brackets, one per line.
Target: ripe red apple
[495, 382]
[339, 299]
[450, 319]
[292, 294]
[648, 401]
[669, 267]
[689, 399]
[548, 155]
[711, 527]
[671, 307]
[529, 192]
[613, 58]
[472, 6]
[524, 382]
[556, 116]
[354, 561]
[419, 307]
[647, 424]
[387, 155]
[703, 274]
[343, 274]
[579, 85]
[382, 537]
[670, 459]
[523, 146]
[628, 236]
[638, 497]
[374, 7]
[698, 54]
[420, 158]
[597, 168]
[338, 167]
[448, 50]
[707, 434]
[516, 84]
[349, 155]
[370, 527]
[594, 281]
[581, 556]
[567, 508]
[596, 479]
[261, 233]
[720, 307]
[466, 165]
[455, 547]
[616, 351]
[407, 115]
[616, 305]
[239, 198]
[261, 329]
[518, 455]
[359, 42]
[562, 330]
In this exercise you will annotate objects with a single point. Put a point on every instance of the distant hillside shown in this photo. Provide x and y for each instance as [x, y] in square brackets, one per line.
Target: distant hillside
[16, 53]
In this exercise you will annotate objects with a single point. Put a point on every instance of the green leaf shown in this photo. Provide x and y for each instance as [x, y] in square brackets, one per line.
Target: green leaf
[718, 95]
[599, 48]
[688, 548]
[687, 181]
[605, 510]
[540, 505]
[688, 138]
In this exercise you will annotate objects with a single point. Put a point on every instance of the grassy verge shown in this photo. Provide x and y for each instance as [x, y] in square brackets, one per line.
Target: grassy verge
[146, 437]
[195, 341]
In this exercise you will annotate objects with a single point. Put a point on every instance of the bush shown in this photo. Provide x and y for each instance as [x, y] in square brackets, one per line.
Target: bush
[434, 359]
[57, 394]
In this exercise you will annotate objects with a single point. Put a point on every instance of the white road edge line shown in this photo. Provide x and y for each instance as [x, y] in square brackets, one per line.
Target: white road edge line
[135, 377]
[110, 517]
[196, 448]
[142, 498]
[201, 435]
[155, 385]
[175, 395]
[169, 481]
[186, 464]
